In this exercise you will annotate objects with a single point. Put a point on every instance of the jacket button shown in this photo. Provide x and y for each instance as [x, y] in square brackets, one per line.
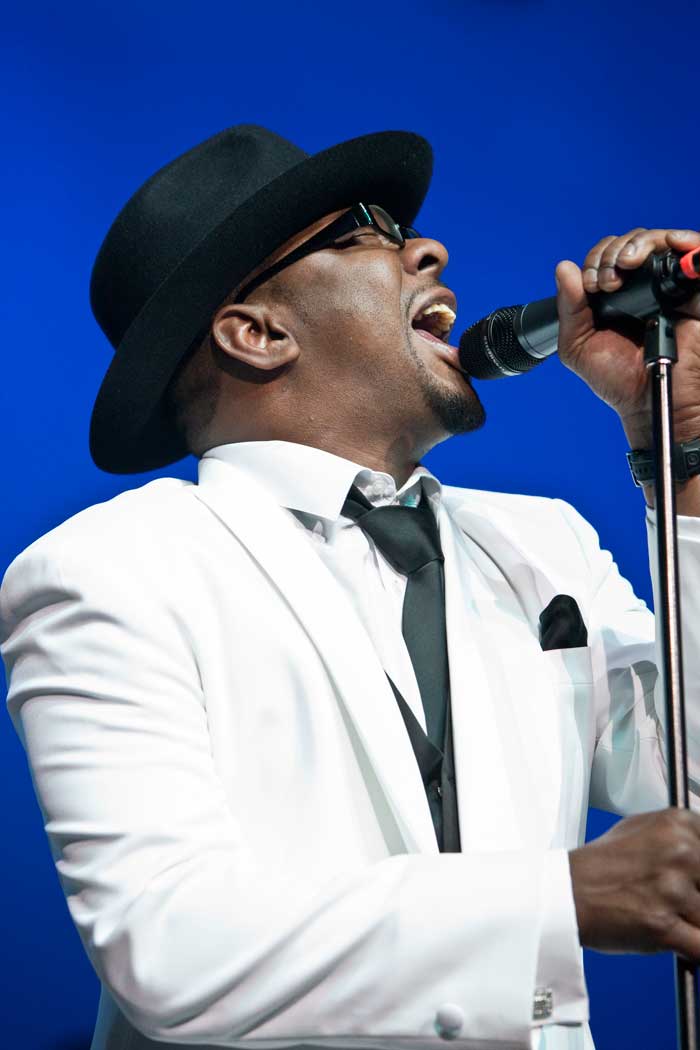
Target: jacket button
[449, 1020]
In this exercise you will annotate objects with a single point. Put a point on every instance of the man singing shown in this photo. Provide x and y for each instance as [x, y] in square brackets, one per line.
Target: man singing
[314, 739]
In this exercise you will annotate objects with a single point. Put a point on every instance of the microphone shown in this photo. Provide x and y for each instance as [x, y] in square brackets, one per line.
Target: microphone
[513, 339]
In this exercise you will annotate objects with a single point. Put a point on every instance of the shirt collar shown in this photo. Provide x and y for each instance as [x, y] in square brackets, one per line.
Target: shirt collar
[314, 481]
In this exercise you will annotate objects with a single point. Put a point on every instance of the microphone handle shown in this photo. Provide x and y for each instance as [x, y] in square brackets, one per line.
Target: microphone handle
[536, 327]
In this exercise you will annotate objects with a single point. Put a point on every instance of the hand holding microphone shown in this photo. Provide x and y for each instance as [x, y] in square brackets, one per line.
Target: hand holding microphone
[513, 339]
[619, 274]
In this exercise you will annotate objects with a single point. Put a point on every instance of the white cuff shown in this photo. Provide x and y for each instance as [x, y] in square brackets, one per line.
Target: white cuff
[560, 993]
[688, 524]
[689, 579]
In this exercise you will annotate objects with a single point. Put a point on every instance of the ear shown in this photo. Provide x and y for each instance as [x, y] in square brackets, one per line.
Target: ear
[253, 335]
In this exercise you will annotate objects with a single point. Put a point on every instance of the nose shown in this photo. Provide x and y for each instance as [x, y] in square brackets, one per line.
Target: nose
[423, 254]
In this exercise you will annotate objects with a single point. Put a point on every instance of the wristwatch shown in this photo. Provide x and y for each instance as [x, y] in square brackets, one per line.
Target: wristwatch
[685, 459]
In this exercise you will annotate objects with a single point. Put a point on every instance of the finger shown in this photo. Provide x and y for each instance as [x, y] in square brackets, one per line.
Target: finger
[630, 250]
[575, 317]
[680, 239]
[592, 261]
[643, 243]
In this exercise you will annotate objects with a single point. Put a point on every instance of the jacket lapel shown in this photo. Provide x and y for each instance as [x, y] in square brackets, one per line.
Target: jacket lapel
[504, 703]
[286, 557]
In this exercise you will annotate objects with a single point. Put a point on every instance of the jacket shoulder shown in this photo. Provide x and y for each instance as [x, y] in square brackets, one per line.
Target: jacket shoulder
[545, 524]
[505, 504]
[504, 500]
[133, 523]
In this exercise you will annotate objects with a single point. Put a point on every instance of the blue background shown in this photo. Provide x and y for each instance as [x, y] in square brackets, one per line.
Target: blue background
[552, 125]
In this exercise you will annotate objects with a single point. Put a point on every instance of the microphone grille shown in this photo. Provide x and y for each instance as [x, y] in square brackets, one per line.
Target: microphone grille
[490, 348]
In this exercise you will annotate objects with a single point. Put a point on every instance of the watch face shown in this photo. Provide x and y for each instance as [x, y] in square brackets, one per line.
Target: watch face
[691, 453]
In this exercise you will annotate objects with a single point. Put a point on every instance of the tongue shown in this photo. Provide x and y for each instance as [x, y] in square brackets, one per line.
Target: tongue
[429, 335]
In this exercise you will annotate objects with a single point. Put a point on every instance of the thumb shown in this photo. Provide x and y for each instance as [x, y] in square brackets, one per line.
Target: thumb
[575, 315]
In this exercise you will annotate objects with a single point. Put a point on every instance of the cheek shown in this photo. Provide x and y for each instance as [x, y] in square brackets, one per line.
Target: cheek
[359, 300]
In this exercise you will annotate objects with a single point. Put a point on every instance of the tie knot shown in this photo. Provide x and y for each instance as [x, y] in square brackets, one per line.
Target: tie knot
[407, 536]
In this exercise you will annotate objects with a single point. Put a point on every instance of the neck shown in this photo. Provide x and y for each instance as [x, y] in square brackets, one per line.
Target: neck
[390, 436]
[363, 441]
[393, 459]
[395, 454]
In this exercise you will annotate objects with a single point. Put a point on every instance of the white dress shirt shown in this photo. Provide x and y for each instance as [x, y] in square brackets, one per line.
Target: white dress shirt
[313, 484]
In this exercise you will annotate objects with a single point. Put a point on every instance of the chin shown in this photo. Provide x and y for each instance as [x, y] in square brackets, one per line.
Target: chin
[458, 410]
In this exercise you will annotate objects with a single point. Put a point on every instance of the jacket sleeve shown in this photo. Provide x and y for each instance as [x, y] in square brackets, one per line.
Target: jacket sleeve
[629, 773]
[195, 940]
[689, 601]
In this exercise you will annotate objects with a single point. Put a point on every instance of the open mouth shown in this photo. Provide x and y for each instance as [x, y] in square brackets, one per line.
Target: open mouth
[435, 321]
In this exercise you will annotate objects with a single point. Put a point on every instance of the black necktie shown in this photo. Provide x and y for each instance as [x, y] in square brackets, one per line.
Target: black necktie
[410, 540]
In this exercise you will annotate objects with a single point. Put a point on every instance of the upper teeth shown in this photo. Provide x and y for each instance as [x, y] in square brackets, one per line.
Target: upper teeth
[445, 318]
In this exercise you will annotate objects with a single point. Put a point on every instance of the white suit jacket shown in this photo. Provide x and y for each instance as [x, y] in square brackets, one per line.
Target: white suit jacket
[235, 812]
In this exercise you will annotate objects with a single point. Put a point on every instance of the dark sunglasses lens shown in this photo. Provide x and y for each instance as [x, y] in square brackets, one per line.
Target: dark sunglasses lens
[384, 221]
[388, 226]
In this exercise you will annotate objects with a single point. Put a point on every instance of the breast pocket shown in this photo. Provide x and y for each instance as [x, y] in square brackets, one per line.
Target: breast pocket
[570, 665]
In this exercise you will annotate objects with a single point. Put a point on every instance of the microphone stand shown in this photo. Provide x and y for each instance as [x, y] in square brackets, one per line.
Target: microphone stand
[660, 354]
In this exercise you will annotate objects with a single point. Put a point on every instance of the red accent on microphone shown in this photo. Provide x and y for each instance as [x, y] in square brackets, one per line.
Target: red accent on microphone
[690, 264]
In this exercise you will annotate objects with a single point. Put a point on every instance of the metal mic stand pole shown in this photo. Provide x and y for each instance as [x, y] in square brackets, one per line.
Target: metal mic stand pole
[660, 354]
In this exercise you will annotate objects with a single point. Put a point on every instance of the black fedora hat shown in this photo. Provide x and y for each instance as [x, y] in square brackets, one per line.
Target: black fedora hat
[191, 233]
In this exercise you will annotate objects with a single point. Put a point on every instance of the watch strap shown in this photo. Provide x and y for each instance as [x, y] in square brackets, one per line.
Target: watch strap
[685, 459]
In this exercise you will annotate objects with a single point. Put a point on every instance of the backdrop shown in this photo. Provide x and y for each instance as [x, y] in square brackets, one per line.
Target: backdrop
[553, 124]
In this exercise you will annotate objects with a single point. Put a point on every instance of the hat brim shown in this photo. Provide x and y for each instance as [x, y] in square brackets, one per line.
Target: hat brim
[130, 431]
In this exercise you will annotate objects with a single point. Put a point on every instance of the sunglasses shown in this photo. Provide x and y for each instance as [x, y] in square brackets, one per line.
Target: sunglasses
[361, 216]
